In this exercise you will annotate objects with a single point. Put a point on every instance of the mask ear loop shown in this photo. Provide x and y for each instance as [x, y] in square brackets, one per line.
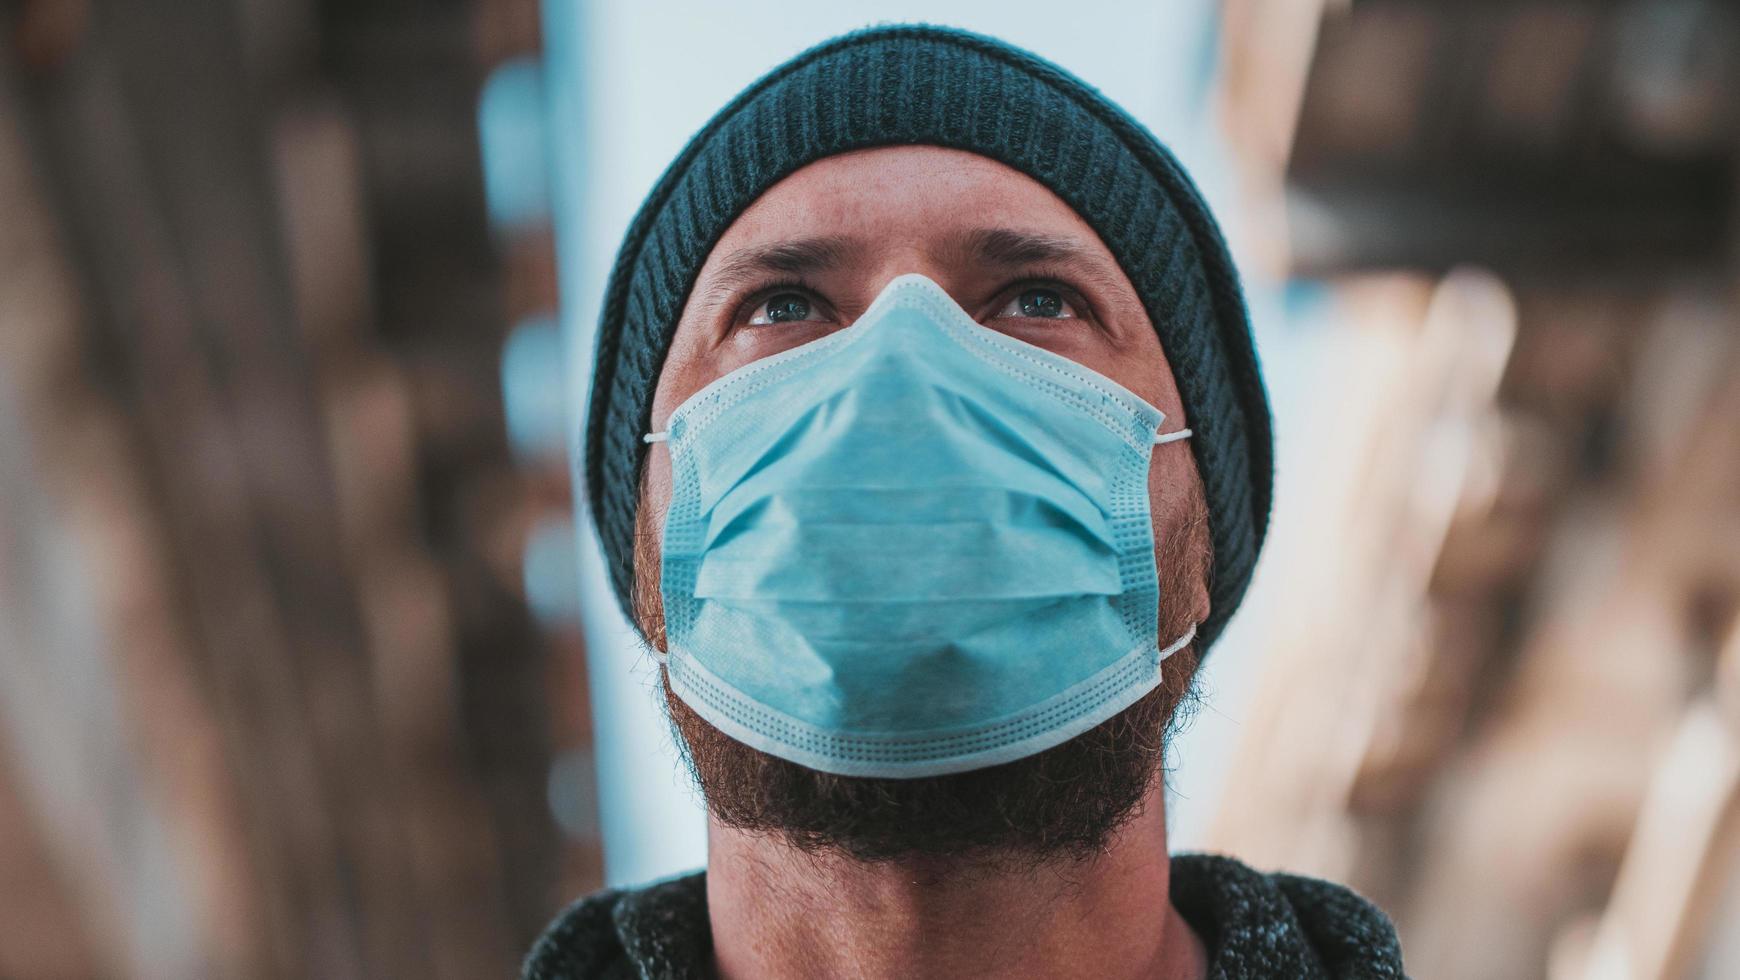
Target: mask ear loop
[1178, 644]
[660, 436]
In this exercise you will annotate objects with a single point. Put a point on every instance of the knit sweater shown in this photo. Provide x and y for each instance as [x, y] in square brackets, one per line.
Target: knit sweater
[1253, 925]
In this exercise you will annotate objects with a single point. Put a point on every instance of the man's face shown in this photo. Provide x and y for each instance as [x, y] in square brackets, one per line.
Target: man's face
[806, 259]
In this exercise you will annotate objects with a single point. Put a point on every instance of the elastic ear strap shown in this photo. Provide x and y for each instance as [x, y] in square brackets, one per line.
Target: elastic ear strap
[1180, 643]
[655, 436]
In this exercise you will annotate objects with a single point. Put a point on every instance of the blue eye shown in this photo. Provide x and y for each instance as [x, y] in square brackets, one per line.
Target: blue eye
[784, 308]
[1039, 303]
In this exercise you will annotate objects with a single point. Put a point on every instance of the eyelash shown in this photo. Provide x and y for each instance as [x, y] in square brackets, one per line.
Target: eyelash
[1046, 278]
[1037, 278]
[767, 291]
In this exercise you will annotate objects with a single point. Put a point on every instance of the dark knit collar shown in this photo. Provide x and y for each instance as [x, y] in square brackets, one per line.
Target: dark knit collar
[1253, 925]
[1280, 925]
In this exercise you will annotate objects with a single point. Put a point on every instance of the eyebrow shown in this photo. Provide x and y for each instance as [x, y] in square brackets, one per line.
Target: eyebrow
[796, 257]
[1006, 247]
[1009, 247]
[1012, 249]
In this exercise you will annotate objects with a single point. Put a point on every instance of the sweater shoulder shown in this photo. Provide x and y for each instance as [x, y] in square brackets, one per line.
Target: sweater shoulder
[619, 932]
[579, 943]
[1277, 924]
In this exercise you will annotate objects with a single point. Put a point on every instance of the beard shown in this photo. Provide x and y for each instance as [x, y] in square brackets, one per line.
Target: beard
[1065, 802]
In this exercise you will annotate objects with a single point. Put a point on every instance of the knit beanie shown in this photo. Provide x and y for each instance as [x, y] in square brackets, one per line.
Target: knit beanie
[916, 84]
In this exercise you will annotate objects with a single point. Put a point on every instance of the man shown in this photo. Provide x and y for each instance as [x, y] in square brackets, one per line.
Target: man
[930, 453]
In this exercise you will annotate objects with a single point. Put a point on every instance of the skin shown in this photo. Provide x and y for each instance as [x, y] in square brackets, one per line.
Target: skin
[777, 912]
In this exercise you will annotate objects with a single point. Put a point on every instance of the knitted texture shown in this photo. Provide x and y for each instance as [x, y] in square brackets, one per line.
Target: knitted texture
[914, 84]
[657, 931]
[1282, 925]
[1253, 926]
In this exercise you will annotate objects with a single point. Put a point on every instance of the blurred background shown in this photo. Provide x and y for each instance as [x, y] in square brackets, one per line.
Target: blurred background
[309, 669]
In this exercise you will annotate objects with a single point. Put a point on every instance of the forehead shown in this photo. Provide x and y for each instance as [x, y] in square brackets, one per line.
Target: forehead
[912, 195]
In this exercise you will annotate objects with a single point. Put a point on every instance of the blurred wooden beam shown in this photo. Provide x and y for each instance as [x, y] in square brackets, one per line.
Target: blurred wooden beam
[1420, 372]
[1681, 855]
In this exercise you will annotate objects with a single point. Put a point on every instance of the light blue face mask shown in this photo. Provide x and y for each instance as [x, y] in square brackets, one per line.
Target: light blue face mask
[915, 546]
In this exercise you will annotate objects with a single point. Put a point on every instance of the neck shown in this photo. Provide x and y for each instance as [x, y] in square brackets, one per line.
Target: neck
[777, 912]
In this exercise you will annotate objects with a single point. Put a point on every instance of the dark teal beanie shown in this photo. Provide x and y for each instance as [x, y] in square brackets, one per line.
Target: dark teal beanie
[927, 85]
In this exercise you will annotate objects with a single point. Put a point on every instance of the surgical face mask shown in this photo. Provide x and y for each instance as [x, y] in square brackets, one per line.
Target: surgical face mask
[915, 546]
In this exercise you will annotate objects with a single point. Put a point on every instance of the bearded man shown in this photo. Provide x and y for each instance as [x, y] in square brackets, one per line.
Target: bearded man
[930, 453]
